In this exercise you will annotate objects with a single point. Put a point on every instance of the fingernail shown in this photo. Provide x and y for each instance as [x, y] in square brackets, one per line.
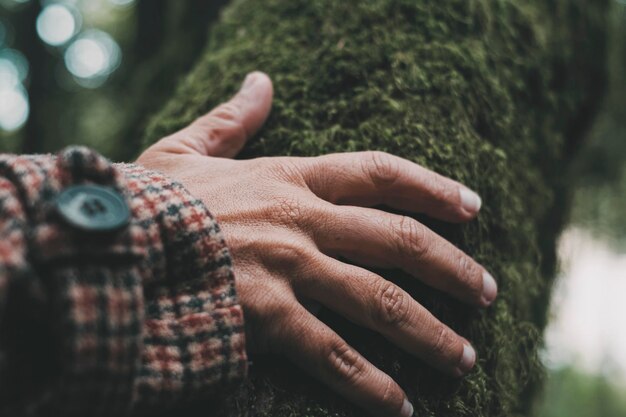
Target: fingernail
[470, 200]
[407, 409]
[468, 359]
[249, 81]
[490, 288]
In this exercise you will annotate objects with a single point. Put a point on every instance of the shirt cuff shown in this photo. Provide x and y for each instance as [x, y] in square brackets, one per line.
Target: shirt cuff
[144, 316]
[193, 335]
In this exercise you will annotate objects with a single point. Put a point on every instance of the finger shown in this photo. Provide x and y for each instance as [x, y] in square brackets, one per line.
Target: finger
[376, 238]
[373, 178]
[224, 131]
[373, 302]
[309, 343]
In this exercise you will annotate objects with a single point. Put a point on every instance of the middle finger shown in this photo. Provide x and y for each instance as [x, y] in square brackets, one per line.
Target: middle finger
[376, 238]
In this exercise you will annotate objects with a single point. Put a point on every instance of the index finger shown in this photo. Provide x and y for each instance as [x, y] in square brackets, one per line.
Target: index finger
[373, 178]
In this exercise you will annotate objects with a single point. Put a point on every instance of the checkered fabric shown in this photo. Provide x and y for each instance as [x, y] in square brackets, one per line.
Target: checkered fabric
[110, 324]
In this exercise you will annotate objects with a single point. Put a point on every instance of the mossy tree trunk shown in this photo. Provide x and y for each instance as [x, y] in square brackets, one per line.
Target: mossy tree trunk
[493, 93]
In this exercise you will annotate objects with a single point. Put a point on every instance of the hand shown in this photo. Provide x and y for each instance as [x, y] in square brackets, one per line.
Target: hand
[286, 220]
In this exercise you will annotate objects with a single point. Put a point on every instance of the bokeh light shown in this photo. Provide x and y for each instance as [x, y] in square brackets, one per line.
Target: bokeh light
[14, 107]
[9, 76]
[122, 3]
[13, 64]
[12, 4]
[92, 57]
[56, 24]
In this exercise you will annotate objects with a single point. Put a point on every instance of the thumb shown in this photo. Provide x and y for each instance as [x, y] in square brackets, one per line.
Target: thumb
[224, 130]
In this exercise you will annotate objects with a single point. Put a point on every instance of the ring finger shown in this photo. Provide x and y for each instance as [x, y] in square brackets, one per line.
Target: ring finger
[369, 300]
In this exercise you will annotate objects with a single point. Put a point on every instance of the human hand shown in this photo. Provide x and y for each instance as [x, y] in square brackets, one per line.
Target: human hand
[286, 221]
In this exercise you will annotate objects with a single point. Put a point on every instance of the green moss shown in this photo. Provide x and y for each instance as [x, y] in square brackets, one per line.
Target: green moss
[493, 93]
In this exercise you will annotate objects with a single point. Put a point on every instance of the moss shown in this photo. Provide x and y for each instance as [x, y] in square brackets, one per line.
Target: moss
[485, 91]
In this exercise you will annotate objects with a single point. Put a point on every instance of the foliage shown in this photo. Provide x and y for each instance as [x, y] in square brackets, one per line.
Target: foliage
[494, 93]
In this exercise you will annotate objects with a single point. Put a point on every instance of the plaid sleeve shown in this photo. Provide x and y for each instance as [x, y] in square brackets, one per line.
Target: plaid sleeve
[118, 323]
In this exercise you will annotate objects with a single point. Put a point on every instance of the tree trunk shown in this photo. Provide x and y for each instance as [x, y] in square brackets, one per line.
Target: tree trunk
[494, 93]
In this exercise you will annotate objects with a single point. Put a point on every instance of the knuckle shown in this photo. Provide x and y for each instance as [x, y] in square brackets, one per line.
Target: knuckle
[382, 169]
[287, 338]
[228, 111]
[225, 122]
[388, 391]
[286, 169]
[273, 338]
[468, 274]
[393, 308]
[442, 342]
[267, 298]
[411, 238]
[440, 189]
[392, 398]
[288, 256]
[317, 176]
[278, 309]
[301, 213]
[345, 362]
[289, 210]
[266, 318]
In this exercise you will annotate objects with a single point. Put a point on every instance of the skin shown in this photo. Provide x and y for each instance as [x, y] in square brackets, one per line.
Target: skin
[288, 220]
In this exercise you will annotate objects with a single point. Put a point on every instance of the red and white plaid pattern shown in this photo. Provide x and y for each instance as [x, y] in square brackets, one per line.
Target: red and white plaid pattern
[108, 325]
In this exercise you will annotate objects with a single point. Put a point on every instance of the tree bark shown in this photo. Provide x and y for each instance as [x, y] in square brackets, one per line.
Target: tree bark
[494, 93]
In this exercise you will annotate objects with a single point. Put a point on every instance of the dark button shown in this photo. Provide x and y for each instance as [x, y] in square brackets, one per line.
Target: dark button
[93, 208]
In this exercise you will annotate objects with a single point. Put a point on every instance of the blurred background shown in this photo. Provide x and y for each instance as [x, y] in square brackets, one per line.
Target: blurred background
[89, 71]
